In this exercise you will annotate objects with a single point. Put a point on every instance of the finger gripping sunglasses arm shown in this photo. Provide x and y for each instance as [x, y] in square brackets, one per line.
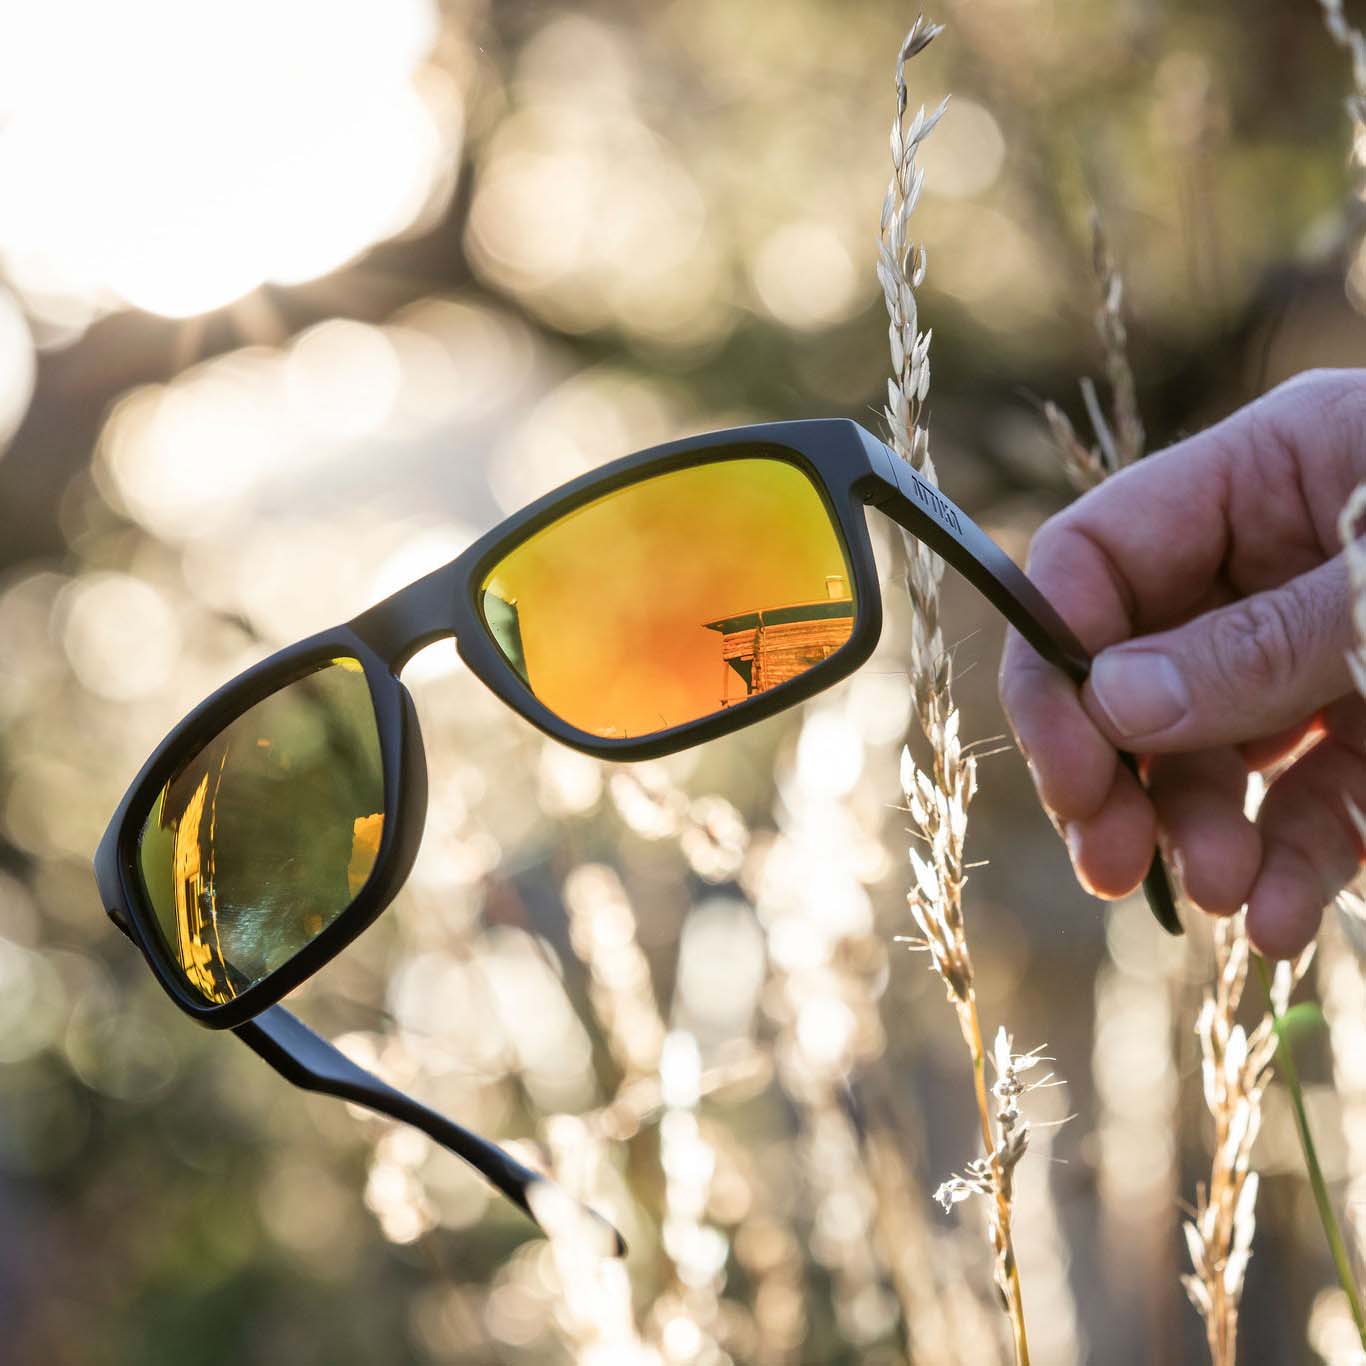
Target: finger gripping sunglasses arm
[310, 1062]
[922, 510]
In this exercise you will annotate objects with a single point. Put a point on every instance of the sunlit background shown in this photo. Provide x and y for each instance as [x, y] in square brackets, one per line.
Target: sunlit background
[298, 297]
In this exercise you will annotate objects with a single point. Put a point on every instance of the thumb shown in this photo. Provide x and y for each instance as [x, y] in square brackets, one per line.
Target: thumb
[1237, 673]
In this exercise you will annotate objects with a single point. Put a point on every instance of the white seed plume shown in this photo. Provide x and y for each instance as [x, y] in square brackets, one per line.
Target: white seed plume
[993, 1175]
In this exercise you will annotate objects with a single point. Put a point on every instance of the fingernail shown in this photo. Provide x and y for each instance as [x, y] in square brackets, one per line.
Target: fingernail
[1071, 834]
[1175, 862]
[1141, 691]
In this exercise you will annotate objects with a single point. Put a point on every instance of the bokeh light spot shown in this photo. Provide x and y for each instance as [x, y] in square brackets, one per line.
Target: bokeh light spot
[804, 275]
[187, 154]
[120, 636]
[18, 367]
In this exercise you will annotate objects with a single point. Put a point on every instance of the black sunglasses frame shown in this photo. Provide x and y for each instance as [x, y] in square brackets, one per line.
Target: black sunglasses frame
[850, 468]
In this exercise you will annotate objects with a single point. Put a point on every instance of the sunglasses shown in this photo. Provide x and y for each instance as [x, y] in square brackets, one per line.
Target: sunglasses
[668, 598]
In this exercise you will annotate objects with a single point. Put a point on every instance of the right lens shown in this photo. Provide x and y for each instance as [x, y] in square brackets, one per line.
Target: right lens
[675, 597]
[266, 835]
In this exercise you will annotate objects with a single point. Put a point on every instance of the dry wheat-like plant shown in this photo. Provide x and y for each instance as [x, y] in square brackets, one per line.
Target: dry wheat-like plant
[948, 1322]
[602, 930]
[711, 834]
[1128, 996]
[870, 1226]
[593, 1309]
[662, 1071]
[980, 1177]
[1349, 532]
[1120, 438]
[1139, 990]
[1237, 1067]
[1350, 39]
[818, 922]
[938, 800]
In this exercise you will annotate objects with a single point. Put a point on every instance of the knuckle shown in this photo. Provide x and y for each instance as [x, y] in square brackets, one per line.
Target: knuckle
[1311, 817]
[1045, 548]
[1341, 398]
[1254, 645]
[1321, 383]
[1320, 416]
[1016, 681]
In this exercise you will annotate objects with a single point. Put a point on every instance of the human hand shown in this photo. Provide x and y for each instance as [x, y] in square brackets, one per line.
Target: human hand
[1208, 583]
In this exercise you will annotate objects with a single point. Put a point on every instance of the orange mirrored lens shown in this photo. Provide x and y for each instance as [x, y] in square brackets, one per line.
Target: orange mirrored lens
[266, 835]
[674, 598]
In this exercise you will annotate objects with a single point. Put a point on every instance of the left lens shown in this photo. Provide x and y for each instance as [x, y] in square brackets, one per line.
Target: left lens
[675, 597]
[268, 833]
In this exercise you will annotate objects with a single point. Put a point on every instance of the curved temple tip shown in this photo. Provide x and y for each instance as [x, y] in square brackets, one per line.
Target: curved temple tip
[1158, 890]
[309, 1061]
[1157, 885]
[619, 1246]
[559, 1215]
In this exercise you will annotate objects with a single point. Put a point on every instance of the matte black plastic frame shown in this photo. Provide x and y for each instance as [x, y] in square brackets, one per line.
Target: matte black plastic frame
[851, 468]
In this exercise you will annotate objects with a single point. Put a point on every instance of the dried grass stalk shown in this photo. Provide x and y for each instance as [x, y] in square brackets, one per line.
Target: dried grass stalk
[1011, 1125]
[592, 1307]
[602, 929]
[1350, 39]
[1120, 437]
[1237, 1067]
[1350, 524]
[901, 270]
[827, 1029]
[938, 800]
[948, 1320]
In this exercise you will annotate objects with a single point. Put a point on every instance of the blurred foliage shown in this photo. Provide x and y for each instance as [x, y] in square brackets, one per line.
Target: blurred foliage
[296, 300]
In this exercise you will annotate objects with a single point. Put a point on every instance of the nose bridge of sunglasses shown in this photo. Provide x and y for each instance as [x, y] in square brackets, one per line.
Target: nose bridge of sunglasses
[416, 616]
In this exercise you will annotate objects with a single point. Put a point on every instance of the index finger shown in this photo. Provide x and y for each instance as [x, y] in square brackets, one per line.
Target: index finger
[1146, 543]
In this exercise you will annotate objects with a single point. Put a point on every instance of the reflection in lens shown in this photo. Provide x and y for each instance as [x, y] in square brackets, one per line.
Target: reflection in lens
[267, 834]
[674, 598]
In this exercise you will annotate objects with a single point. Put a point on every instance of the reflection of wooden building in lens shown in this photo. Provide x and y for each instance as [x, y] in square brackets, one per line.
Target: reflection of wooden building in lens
[768, 645]
[197, 947]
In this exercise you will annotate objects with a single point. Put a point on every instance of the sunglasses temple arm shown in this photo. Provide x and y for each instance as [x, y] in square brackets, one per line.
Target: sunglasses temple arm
[923, 511]
[308, 1061]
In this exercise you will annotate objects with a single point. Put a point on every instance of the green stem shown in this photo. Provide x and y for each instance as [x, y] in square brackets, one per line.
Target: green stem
[1290, 1075]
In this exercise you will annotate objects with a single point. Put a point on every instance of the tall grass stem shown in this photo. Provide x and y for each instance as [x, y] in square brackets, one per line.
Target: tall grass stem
[1285, 1061]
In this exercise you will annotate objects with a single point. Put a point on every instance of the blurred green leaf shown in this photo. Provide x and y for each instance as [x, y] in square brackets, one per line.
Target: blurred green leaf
[1301, 1021]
